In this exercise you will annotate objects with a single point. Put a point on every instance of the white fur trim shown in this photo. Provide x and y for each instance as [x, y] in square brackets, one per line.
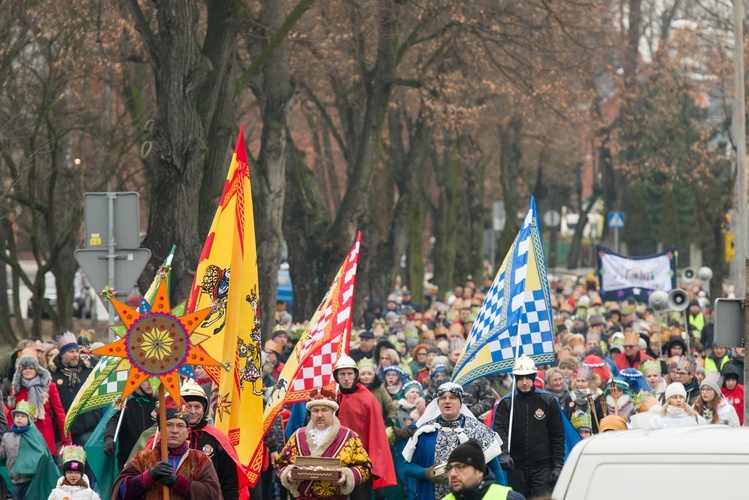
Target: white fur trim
[287, 483]
[349, 483]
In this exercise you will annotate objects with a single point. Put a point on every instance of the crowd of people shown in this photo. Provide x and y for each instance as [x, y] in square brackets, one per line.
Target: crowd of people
[396, 426]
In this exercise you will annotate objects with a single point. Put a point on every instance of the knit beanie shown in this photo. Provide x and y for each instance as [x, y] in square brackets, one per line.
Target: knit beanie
[714, 381]
[469, 453]
[675, 389]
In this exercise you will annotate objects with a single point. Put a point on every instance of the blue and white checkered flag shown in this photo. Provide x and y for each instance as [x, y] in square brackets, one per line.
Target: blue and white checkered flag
[516, 309]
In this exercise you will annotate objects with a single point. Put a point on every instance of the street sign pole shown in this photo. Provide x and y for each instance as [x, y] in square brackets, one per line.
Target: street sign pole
[116, 262]
[111, 244]
[616, 239]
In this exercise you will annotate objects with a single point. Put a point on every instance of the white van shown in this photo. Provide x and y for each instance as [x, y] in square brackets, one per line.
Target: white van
[701, 462]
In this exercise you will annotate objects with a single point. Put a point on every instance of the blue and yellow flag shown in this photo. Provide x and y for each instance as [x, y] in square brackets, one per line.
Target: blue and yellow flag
[227, 281]
[516, 313]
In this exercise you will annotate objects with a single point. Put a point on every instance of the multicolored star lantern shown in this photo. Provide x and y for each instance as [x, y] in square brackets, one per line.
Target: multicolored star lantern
[158, 342]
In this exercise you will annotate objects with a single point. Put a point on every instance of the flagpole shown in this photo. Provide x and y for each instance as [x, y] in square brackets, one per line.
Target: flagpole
[512, 394]
[119, 422]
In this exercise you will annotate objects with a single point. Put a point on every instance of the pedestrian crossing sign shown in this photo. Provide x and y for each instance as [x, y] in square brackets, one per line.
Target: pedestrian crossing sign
[616, 219]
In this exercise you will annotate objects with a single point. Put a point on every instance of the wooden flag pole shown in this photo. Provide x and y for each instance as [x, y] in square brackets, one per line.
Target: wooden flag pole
[162, 426]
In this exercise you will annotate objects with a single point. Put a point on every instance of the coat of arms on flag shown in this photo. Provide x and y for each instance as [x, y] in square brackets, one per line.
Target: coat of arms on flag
[515, 317]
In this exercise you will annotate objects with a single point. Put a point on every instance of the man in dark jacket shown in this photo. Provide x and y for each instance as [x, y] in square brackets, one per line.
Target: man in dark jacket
[533, 454]
[366, 346]
[136, 419]
[214, 443]
[69, 372]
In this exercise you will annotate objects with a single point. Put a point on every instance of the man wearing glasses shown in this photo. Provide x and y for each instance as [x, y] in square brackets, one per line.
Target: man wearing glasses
[633, 356]
[469, 478]
[187, 473]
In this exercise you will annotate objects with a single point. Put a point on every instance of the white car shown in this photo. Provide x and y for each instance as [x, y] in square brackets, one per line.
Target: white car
[700, 462]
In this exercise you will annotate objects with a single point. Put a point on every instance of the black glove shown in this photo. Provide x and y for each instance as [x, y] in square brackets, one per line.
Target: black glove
[554, 475]
[506, 461]
[160, 471]
[109, 447]
[169, 480]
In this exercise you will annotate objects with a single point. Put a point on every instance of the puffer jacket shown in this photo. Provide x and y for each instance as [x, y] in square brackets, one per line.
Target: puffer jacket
[68, 492]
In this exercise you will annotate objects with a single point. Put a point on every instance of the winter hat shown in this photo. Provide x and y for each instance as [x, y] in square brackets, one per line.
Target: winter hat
[621, 384]
[714, 381]
[469, 453]
[67, 342]
[635, 379]
[595, 320]
[436, 368]
[675, 389]
[412, 385]
[73, 459]
[612, 423]
[569, 362]
[592, 336]
[729, 370]
[394, 369]
[435, 350]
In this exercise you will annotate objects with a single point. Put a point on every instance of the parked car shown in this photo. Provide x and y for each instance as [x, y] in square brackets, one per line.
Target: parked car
[285, 292]
[663, 463]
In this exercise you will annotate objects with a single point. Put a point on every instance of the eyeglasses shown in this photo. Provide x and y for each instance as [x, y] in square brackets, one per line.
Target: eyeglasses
[458, 467]
[180, 426]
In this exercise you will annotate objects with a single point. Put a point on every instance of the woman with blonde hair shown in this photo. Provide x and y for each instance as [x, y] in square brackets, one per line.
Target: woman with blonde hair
[49, 354]
[676, 412]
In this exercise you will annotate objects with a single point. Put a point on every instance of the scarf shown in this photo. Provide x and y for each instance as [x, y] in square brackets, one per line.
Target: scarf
[73, 374]
[393, 390]
[19, 430]
[675, 411]
[38, 394]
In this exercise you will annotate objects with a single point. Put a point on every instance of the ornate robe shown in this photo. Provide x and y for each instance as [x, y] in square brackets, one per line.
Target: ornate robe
[339, 442]
[195, 466]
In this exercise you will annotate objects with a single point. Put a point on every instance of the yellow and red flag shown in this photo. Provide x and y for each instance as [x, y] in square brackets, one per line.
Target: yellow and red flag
[233, 326]
[325, 339]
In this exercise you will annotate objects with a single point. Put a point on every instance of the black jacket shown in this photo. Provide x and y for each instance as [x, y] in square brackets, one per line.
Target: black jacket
[137, 418]
[537, 429]
[85, 422]
[226, 469]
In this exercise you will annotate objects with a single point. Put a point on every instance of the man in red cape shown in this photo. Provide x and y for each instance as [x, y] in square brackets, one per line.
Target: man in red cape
[360, 412]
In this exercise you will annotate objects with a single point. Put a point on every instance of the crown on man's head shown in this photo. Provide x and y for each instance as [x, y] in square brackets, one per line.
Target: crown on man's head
[66, 342]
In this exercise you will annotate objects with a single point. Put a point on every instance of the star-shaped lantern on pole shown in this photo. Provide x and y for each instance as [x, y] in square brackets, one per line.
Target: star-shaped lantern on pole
[157, 343]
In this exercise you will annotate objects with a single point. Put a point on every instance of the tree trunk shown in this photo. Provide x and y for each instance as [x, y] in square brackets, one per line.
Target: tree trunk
[269, 186]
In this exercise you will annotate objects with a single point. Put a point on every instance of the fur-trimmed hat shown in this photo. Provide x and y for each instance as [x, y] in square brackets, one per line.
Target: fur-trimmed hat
[322, 397]
[44, 380]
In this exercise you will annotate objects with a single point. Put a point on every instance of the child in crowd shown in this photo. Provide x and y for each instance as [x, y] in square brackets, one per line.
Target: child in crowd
[73, 484]
[28, 460]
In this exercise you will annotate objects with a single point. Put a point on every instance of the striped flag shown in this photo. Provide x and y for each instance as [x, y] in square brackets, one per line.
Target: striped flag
[227, 281]
[106, 383]
[517, 310]
[326, 338]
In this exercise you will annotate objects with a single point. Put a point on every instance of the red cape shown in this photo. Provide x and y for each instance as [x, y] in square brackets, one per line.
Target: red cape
[223, 440]
[361, 413]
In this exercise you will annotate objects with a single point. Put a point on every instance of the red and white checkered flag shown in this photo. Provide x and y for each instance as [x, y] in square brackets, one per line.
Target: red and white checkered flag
[326, 338]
